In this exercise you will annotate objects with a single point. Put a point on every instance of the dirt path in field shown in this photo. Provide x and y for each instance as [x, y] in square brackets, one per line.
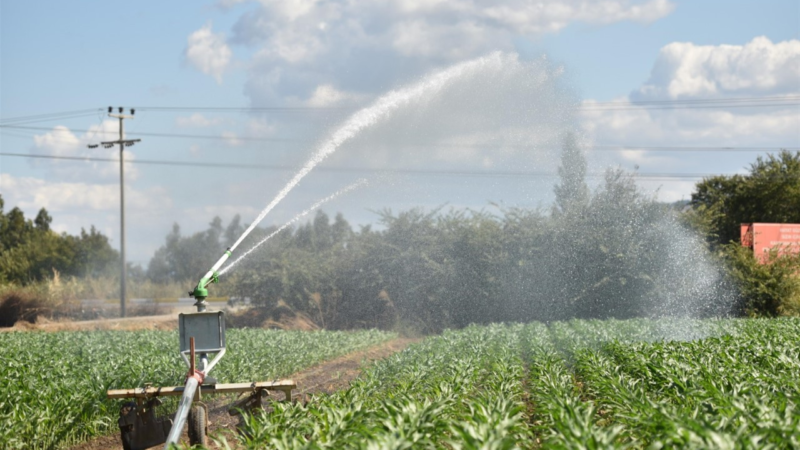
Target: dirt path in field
[324, 378]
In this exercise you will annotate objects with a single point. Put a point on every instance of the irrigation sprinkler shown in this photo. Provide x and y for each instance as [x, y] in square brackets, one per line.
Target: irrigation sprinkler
[200, 334]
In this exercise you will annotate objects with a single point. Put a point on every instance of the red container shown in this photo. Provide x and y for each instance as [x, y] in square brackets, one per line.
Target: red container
[763, 237]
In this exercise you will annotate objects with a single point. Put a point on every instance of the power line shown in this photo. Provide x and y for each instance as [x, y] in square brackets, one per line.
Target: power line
[243, 109]
[601, 147]
[635, 107]
[786, 100]
[167, 135]
[610, 106]
[51, 119]
[788, 97]
[650, 104]
[521, 174]
[50, 116]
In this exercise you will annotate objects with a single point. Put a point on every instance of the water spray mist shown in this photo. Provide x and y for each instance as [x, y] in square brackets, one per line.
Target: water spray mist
[362, 119]
[358, 184]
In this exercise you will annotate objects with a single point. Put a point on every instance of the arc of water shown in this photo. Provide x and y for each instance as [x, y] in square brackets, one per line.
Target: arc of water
[370, 115]
[358, 184]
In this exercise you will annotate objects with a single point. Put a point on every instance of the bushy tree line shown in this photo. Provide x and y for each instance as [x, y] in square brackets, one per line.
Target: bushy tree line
[30, 251]
[184, 258]
[614, 252]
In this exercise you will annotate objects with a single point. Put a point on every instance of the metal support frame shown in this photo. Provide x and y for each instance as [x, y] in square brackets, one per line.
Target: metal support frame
[207, 329]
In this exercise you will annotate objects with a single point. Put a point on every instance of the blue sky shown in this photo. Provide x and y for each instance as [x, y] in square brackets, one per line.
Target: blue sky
[65, 56]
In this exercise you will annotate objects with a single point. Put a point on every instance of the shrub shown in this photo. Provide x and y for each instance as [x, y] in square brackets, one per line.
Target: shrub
[767, 289]
[16, 305]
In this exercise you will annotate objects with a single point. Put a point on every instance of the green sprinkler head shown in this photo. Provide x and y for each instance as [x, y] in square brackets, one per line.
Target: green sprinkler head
[200, 292]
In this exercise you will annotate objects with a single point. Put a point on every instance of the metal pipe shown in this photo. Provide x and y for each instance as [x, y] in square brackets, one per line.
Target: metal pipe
[216, 266]
[183, 412]
[191, 356]
[186, 400]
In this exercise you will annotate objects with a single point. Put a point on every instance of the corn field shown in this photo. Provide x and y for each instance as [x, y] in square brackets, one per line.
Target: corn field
[585, 384]
[53, 385]
[578, 385]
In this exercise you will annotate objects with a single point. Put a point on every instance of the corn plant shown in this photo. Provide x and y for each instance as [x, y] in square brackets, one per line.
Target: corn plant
[53, 386]
[567, 385]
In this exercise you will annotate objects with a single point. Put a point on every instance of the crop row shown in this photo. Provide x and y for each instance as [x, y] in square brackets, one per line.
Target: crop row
[52, 385]
[459, 390]
[578, 384]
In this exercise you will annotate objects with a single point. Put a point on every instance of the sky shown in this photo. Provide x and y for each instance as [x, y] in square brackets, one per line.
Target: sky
[249, 91]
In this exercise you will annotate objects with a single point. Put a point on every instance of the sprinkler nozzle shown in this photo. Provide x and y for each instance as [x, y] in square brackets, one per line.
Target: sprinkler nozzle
[212, 276]
[200, 292]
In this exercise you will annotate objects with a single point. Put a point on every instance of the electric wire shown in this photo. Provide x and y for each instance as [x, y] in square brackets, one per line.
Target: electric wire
[634, 107]
[49, 116]
[788, 97]
[518, 174]
[736, 102]
[166, 135]
[766, 101]
[599, 147]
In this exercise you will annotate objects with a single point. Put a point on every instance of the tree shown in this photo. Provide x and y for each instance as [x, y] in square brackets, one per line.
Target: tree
[31, 251]
[233, 231]
[93, 253]
[572, 192]
[187, 258]
[769, 193]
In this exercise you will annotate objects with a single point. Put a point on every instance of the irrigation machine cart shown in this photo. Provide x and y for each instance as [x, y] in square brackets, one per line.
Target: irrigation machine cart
[201, 333]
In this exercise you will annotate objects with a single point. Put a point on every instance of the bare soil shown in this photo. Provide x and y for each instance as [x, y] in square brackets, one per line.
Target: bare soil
[325, 378]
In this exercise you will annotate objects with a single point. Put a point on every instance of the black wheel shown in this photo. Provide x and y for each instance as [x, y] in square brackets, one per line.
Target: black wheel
[198, 425]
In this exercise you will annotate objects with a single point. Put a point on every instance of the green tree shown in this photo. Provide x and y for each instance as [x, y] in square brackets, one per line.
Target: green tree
[769, 193]
[571, 192]
[93, 254]
[31, 251]
[187, 258]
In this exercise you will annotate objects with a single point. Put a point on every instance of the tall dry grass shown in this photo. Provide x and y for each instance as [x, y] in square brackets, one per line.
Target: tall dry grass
[60, 297]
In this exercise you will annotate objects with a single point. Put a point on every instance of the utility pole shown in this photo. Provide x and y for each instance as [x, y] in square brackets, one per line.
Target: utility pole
[122, 144]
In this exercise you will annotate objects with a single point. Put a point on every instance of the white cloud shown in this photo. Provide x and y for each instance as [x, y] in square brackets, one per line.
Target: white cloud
[327, 95]
[225, 212]
[208, 52]
[62, 142]
[419, 38]
[690, 127]
[537, 17]
[292, 10]
[686, 70]
[197, 120]
[76, 205]
[231, 138]
[59, 142]
[33, 193]
[300, 46]
[501, 113]
[261, 127]
[671, 191]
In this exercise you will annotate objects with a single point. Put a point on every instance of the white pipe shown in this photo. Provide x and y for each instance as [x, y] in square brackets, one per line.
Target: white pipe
[183, 412]
[217, 265]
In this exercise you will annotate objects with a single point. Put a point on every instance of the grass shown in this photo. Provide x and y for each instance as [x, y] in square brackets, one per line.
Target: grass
[59, 297]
